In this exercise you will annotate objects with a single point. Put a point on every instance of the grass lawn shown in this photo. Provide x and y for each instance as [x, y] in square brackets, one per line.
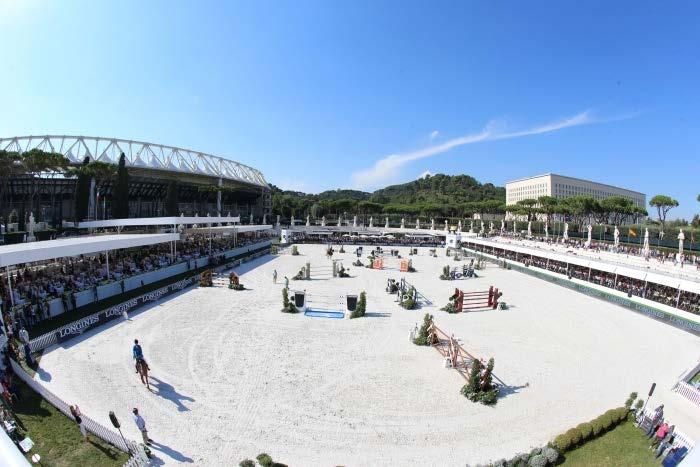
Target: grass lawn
[57, 438]
[624, 446]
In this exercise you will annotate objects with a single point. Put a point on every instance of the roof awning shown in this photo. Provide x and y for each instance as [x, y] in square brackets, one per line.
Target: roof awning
[65, 247]
[144, 221]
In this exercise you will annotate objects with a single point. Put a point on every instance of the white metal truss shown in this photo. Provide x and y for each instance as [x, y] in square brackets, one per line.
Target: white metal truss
[137, 154]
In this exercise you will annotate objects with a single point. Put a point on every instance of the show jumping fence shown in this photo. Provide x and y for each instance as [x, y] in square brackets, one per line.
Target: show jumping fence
[137, 453]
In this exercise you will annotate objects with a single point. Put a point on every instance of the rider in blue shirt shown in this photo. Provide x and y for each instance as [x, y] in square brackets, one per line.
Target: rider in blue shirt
[137, 353]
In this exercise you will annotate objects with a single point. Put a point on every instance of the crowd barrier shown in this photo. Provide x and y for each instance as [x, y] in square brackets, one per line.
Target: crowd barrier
[687, 391]
[627, 302]
[138, 456]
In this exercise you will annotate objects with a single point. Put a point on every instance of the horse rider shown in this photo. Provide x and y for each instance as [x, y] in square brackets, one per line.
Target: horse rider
[137, 353]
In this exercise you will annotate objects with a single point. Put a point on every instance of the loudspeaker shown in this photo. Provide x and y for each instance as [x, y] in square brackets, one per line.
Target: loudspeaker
[651, 390]
[113, 419]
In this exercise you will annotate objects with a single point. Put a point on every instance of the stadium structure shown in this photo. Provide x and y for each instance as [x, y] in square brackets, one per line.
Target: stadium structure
[205, 184]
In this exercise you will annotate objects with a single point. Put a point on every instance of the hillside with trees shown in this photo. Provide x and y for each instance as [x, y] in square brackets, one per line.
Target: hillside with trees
[437, 195]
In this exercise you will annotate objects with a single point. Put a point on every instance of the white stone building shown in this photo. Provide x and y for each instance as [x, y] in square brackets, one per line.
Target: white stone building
[560, 186]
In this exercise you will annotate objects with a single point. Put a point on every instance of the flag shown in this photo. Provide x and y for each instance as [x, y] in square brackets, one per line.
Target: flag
[633, 233]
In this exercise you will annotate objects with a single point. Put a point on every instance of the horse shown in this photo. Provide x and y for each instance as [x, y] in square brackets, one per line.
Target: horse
[142, 369]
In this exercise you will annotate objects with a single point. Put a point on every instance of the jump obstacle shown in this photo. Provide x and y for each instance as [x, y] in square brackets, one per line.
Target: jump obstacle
[330, 306]
[402, 287]
[403, 265]
[465, 301]
[454, 355]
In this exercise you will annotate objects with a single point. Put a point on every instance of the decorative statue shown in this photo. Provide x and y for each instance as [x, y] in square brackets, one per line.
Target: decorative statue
[386, 222]
[491, 226]
[417, 223]
[340, 220]
[529, 228]
[645, 249]
[354, 221]
[590, 235]
[546, 228]
[447, 226]
[566, 230]
[370, 222]
[403, 223]
[31, 227]
[503, 225]
[291, 221]
[471, 226]
[681, 237]
[264, 219]
[432, 224]
[323, 221]
[616, 236]
[251, 218]
[459, 226]
[278, 220]
[308, 220]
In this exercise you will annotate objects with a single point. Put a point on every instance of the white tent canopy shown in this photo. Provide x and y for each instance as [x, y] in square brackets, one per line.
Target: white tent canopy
[649, 276]
[51, 249]
[142, 221]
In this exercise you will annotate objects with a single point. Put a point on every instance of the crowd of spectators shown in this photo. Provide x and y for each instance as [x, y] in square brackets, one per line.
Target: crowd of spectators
[670, 296]
[34, 285]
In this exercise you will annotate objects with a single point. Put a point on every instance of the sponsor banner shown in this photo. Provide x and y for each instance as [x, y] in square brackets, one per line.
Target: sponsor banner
[78, 327]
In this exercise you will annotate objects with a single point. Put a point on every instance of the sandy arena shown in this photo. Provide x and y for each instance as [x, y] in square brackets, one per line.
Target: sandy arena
[232, 376]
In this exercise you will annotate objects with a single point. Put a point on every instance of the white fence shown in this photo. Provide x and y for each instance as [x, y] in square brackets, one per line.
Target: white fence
[689, 392]
[680, 438]
[138, 456]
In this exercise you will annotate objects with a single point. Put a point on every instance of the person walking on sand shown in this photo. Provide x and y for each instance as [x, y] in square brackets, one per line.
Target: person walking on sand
[75, 412]
[141, 425]
[274, 276]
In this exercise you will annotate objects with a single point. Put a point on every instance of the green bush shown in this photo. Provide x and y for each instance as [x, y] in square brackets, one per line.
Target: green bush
[422, 337]
[287, 306]
[586, 430]
[551, 454]
[574, 435]
[563, 442]
[597, 426]
[445, 273]
[361, 307]
[264, 459]
[295, 250]
[246, 463]
[535, 451]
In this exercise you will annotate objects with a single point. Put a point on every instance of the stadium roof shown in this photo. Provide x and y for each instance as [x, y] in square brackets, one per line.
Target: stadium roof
[172, 220]
[137, 154]
[19, 253]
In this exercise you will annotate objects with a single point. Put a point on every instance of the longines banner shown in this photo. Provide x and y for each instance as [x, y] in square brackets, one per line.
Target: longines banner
[78, 327]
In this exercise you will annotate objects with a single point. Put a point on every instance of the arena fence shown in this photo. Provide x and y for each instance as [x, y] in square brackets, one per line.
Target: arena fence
[680, 438]
[689, 392]
[650, 311]
[137, 453]
[78, 327]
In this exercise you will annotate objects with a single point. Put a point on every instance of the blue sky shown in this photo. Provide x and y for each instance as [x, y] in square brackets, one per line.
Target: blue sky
[330, 94]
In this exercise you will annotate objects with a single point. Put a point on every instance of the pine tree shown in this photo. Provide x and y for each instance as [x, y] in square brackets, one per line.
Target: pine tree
[120, 209]
[82, 192]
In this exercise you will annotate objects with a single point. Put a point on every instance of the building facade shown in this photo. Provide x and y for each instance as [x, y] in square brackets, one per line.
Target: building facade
[560, 186]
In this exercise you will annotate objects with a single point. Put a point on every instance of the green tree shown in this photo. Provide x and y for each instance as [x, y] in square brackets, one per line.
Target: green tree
[663, 204]
[82, 191]
[120, 204]
[528, 207]
[549, 205]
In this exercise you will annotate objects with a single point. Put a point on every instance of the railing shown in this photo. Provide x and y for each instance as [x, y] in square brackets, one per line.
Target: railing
[689, 392]
[137, 454]
[680, 438]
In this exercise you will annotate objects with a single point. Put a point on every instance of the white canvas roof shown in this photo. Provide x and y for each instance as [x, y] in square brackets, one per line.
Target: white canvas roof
[51, 249]
[175, 220]
[650, 276]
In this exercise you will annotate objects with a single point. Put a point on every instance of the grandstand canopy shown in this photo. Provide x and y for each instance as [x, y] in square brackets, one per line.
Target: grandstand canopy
[230, 228]
[649, 275]
[145, 221]
[19, 253]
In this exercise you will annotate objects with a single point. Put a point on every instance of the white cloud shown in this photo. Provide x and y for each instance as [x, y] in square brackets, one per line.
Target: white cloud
[434, 134]
[387, 168]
